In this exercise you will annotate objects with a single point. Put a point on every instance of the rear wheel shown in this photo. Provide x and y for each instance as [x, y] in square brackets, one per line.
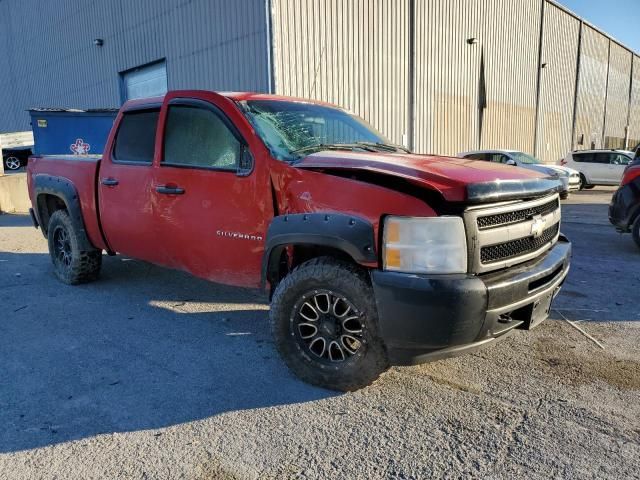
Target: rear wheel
[635, 231]
[325, 324]
[71, 265]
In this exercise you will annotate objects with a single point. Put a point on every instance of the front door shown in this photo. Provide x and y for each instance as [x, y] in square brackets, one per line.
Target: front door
[125, 186]
[211, 215]
[617, 163]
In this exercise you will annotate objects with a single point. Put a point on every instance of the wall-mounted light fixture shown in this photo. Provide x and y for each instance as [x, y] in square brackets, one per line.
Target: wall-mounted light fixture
[98, 42]
[544, 65]
[472, 40]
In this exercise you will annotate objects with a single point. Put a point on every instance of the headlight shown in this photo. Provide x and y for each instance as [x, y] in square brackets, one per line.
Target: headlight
[424, 245]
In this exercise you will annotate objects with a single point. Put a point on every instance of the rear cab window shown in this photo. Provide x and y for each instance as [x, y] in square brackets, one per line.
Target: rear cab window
[136, 137]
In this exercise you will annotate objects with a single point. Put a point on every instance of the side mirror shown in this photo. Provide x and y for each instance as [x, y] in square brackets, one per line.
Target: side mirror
[245, 165]
[511, 162]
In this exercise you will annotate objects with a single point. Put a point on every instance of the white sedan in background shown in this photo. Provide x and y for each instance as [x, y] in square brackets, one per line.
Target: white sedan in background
[569, 177]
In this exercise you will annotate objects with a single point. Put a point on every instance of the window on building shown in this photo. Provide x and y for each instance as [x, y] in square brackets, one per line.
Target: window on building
[145, 81]
[198, 137]
[136, 137]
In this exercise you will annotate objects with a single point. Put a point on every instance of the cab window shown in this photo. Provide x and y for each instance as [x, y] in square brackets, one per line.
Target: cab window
[136, 137]
[198, 137]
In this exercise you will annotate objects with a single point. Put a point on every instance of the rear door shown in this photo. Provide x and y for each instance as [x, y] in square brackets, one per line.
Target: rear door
[125, 185]
[590, 166]
[212, 211]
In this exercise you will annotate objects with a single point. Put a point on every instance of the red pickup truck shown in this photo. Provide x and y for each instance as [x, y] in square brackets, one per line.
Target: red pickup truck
[372, 256]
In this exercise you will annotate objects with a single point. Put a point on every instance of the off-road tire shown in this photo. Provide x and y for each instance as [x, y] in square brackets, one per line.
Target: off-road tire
[349, 281]
[82, 266]
[635, 231]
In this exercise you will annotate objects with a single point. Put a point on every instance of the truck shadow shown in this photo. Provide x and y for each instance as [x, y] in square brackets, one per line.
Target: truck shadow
[604, 279]
[145, 347]
[142, 348]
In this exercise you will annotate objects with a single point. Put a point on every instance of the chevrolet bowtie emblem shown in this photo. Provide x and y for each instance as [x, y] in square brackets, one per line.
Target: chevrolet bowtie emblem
[537, 227]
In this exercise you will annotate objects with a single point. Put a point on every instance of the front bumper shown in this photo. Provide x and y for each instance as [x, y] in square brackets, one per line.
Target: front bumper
[425, 318]
[574, 184]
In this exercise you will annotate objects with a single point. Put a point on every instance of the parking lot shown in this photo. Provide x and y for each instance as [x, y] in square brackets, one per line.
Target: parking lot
[150, 373]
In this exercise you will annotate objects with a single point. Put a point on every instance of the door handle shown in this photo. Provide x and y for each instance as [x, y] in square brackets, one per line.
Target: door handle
[109, 182]
[169, 190]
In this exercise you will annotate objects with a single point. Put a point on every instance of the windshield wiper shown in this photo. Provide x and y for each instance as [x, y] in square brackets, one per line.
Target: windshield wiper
[387, 147]
[333, 146]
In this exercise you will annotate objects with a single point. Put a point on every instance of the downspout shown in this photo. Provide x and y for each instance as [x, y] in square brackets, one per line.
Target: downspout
[577, 90]
[411, 80]
[536, 152]
[269, 32]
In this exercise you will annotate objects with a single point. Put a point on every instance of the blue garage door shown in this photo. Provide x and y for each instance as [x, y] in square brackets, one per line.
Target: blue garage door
[146, 81]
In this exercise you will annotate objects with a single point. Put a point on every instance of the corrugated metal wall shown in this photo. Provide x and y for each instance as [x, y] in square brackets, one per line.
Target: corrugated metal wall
[618, 84]
[475, 95]
[351, 53]
[447, 71]
[47, 56]
[592, 89]
[560, 39]
[511, 37]
[355, 53]
[634, 114]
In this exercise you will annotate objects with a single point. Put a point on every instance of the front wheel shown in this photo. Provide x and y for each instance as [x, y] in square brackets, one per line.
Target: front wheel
[71, 264]
[583, 182]
[325, 324]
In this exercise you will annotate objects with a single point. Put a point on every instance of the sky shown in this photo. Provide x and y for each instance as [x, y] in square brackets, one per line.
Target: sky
[618, 18]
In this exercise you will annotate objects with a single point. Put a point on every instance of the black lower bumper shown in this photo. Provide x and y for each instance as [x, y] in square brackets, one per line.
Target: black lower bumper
[425, 318]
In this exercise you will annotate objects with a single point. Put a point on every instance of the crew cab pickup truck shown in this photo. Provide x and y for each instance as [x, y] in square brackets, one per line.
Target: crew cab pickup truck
[372, 256]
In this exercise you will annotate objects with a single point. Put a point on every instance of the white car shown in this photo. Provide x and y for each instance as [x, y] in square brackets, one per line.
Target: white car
[570, 178]
[598, 167]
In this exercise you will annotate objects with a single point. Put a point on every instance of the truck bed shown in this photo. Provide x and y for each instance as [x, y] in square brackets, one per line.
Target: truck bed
[82, 172]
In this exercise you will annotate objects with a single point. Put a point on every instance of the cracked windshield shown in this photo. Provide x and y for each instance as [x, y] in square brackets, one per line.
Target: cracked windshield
[292, 130]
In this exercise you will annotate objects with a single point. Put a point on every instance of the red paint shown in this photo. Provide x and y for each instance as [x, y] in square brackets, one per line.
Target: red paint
[80, 172]
[196, 231]
[447, 175]
[630, 175]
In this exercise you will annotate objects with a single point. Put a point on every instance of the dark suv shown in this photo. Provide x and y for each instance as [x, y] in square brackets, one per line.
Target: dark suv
[624, 210]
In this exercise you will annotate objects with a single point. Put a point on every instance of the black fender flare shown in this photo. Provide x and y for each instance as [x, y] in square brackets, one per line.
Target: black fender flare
[63, 189]
[350, 234]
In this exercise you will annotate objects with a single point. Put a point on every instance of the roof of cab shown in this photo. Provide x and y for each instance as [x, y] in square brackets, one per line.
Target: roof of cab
[235, 96]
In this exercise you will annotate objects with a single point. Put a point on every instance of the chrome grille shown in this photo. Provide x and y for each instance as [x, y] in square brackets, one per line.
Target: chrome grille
[516, 248]
[507, 218]
[502, 235]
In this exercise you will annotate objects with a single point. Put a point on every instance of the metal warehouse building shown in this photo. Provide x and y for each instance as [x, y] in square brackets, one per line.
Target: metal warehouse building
[440, 76]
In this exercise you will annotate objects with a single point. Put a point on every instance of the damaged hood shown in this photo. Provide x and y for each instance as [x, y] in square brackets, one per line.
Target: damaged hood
[456, 179]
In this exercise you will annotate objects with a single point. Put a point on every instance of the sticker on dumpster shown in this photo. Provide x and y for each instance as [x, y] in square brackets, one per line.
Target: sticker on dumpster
[42, 123]
[80, 148]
